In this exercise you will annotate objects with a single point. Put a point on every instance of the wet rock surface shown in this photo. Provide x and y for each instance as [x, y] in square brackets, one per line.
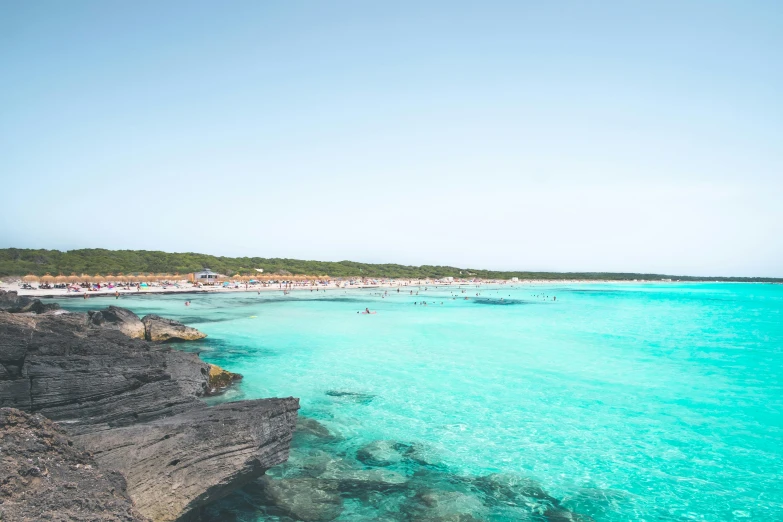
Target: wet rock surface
[220, 379]
[161, 330]
[43, 476]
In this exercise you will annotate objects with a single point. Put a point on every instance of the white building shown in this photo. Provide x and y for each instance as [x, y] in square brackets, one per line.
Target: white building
[448, 279]
[206, 276]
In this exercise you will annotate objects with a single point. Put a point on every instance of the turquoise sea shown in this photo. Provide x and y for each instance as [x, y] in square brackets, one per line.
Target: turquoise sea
[650, 402]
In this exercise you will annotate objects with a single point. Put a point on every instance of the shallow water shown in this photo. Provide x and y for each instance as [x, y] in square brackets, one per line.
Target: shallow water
[623, 401]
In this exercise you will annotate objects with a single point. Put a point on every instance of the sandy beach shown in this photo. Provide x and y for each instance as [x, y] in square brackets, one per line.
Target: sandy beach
[186, 287]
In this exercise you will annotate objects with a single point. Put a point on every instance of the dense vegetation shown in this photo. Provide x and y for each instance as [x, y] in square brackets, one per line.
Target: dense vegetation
[17, 262]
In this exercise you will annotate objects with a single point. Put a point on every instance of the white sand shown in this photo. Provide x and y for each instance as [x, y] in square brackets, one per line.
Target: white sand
[186, 287]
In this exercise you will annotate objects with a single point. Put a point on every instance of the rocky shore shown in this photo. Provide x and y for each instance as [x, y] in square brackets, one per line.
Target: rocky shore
[129, 406]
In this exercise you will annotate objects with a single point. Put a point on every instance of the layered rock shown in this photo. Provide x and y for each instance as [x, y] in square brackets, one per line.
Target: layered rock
[93, 379]
[160, 330]
[43, 476]
[175, 466]
[136, 405]
[116, 318]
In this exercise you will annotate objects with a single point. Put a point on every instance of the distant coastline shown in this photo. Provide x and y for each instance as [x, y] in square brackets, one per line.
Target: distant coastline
[18, 262]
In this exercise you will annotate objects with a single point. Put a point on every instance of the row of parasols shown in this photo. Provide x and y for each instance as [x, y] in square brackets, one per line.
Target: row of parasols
[151, 278]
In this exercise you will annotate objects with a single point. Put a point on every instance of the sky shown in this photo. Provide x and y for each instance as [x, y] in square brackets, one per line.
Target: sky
[562, 136]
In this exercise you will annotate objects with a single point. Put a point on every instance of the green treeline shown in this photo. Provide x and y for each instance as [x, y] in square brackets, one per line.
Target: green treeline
[19, 262]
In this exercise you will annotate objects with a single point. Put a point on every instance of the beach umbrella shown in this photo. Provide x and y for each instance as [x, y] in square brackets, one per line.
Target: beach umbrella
[85, 277]
[98, 278]
[30, 278]
[48, 278]
[61, 279]
[73, 278]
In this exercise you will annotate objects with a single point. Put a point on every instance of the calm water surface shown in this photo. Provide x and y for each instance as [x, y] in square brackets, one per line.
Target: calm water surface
[624, 401]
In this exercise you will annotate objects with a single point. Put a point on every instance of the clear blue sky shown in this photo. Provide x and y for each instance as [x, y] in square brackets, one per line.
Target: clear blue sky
[633, 136]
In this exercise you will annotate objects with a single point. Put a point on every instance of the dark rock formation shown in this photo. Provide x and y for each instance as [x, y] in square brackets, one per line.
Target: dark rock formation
[175, 466]
[93, 379]
[219, 379]
[14, 303]
[136, 405]
[116, 318]
[161, 330]
[43, 476]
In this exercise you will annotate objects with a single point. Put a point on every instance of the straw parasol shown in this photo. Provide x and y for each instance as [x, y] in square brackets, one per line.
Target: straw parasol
[98, 278]
[48, 278]
[30, 278]
[61, 279]
[85, 277]
[73, 278]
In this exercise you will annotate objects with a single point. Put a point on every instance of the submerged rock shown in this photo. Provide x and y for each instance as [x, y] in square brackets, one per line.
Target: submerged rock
[357, 397]
[513, 489]
[161, 330]
[445, 506]
[382, 453]
[564, 515]
[220, 379]
[116, 318]
[44, 477]
[306, 499]
[309, 426]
